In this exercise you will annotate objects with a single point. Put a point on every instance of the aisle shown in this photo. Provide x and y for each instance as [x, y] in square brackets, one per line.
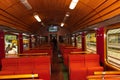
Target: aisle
[58, 70]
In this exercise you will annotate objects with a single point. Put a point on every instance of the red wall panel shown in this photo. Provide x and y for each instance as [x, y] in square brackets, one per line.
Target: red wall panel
[20, 37]
[83, 41]
[2, 44]
[30, 42]
[100, 43]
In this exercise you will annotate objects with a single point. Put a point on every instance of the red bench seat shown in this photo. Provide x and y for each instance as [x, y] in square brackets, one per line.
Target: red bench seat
[82, 65]
[27, 65]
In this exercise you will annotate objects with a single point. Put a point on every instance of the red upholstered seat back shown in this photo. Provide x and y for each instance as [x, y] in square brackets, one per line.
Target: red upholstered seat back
[49, 51]
[67, 50]
[42, 60]
[92, 60]
[10, 62]
[79, 59]
[26, 61]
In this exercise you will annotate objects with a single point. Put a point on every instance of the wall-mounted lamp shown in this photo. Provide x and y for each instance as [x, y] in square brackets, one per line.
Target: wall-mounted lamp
[36, 16]
[73, 4]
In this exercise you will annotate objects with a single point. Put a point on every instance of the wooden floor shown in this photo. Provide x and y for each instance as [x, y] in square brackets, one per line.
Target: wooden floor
[57, 67]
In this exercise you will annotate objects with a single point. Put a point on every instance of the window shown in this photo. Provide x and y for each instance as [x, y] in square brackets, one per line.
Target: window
[25, 42]
[91, 42]
[113, 47]
[11, 44]
[73, 40]
[79, 41]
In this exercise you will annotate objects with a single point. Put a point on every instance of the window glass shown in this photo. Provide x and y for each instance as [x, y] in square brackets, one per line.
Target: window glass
[25, 42]
[79, 41]
[33, 40]
[91, 42]
[11, 44]
[113, 47]
[73, 41]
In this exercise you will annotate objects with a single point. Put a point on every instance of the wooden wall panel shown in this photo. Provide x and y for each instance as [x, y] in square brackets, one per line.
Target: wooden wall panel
[104, 14]
[86, 13]
[5, 4]
[105, 5]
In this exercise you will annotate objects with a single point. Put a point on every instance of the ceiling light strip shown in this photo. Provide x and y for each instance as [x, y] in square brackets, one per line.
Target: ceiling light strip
[73, 4]
[36, 16]
[26, 4]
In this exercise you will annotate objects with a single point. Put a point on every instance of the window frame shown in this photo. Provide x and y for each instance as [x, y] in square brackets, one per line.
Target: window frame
[108, 62]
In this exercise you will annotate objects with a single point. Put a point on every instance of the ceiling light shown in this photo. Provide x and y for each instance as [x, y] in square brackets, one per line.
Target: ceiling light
[42, 24]
[62, 24]
[67, 14]
[26, 4]
[73, 4]
[36, 16]
[75, 0]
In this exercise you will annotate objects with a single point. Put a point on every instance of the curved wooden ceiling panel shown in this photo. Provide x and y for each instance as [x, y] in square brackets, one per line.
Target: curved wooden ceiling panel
[87, 12]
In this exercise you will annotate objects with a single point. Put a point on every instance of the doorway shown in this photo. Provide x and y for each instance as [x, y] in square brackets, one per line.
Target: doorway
[53, 36]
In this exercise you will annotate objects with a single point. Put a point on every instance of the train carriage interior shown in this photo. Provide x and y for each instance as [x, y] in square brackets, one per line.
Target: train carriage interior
[59, 39]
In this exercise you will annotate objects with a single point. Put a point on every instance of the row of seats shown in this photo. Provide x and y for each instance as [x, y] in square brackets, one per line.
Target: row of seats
[79, 65]
[82, 65]
[29, 63]
[39, 50]
[65, 51]
[40, 65]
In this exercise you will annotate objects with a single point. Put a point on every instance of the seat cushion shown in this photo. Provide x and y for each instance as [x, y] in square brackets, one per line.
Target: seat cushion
[91, 70]
[77, 73]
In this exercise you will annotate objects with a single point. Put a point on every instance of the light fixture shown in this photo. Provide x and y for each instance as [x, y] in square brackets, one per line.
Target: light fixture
[73, 4]
[26, 4]
[42, 24]
[65, 18]
[36, 16]
[62, 24]
[67, 14]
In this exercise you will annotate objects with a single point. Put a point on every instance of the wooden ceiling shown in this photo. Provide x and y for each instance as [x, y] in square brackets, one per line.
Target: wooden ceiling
[87, 12]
